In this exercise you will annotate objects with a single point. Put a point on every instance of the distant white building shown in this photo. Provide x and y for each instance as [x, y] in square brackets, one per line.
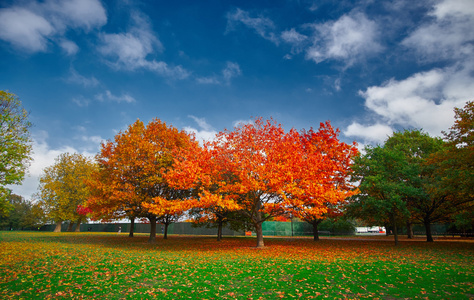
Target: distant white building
[371, 230]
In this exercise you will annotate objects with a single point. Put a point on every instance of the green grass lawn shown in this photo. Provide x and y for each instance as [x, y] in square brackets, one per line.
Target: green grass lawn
[111, 266]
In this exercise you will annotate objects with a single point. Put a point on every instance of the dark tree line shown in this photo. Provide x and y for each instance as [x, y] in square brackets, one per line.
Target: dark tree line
[415, 178]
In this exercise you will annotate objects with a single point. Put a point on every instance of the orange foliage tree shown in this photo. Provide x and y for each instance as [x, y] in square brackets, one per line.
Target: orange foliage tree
[326, 161]
[262, 172]
[130, 179]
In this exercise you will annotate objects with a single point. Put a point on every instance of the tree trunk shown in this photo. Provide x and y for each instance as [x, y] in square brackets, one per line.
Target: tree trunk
[409, 230]
[395, 231]
[165, 236]
[152, 238]
[259, 232]
[78, 225]
[429, 236]
[219, 230]
[58, 226]
[69, 227]
[315, 230]
[387, 229]
[132, 225]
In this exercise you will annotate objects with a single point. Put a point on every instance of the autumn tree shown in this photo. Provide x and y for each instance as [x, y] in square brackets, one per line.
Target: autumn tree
[259, 170]
[15, 145]
[218, 218]
[130, 179]
[170, 209]
[107, 202]
[450, 171]
[63, 188]
[329, 186]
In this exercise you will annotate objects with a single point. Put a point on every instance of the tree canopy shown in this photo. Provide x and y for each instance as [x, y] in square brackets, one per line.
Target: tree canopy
[24, 214]
[455, 165]
[63, 187]
[451, 171]
[415, 177]
[130, 180]
[261, 171]
[15, 145]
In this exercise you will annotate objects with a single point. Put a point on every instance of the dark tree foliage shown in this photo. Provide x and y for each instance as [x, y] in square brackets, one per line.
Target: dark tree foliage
[393, 182]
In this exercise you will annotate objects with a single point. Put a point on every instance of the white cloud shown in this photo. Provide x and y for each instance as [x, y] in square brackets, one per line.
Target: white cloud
[231, 71]
[373, 133]
[202, 123]
[81, 101]
[163, 69]
[337, 84]
[75, 77]
[293, 37]
[33, 27]
[205, 132]
[43, 156]
[69, 47]
[242, 122]
[95, 139]
[297, 41]
[351, 38]
[84, 14]
[208, 80]
[263, 26]
[25, 29]
[424, 100]
[130, 50]
[448, 34]
[108, 96]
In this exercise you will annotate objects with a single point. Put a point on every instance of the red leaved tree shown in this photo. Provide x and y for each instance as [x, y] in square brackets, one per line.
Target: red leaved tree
[261, 171]
[131, 182]
[325, 166]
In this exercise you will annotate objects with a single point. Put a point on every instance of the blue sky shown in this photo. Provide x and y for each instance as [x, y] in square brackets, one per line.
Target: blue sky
[86, 69]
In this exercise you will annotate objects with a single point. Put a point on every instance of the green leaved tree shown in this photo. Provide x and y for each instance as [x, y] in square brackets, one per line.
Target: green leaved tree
[22, 216]
[15, 145]
[416, 147]
[380, 200]
[393, 181]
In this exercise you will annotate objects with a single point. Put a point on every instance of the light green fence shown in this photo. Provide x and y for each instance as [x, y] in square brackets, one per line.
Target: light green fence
[186, 228]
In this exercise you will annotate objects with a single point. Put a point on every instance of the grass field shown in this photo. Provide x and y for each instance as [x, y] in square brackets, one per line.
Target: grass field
[112, 266]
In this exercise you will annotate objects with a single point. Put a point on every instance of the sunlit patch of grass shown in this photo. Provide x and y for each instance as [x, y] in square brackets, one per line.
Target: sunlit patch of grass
[112, 266]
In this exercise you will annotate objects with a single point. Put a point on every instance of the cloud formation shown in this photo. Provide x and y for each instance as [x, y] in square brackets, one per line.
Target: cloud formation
[350, 38]
[448, 34]
[34, 27]
[131, 50]
[373, 133]
[205, 132]
[263, 26]
[230, 71]
[426, 100]
[75, 77]
[108, 96]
